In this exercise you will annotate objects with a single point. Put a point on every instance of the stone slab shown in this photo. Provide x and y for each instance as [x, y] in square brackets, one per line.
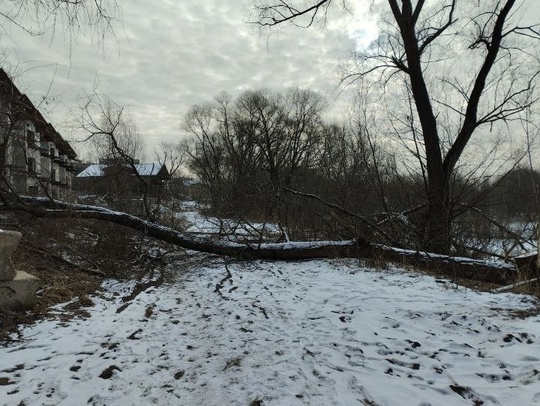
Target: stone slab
[8, 244]
[19, 293]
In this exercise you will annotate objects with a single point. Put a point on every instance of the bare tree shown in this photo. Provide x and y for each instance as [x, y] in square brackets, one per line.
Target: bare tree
[268, 155]
[114, 134]
[249, 149]
[456, 267]
[38, 17]
[477, 55]
[173, 155]
[111, 129]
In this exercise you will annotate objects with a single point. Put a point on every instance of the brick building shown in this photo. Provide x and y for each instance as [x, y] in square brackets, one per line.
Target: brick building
[34, 158]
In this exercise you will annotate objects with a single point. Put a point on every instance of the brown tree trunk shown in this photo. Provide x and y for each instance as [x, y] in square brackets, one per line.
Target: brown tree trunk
[439, 169]
[439, 217]
[500, 273]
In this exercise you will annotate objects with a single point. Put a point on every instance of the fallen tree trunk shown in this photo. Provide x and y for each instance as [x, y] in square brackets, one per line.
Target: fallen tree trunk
[457, 267]
[500, 273]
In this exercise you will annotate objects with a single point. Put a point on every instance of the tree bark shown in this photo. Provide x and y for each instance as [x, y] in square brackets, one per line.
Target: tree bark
[439, 169]
[500, 273]
[438, 219]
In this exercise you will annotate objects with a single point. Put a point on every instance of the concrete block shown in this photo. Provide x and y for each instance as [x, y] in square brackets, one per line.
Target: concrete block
[9, 240]
[19, 293]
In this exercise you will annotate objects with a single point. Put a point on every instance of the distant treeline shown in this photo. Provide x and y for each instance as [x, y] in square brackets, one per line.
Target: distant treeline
[271, 156]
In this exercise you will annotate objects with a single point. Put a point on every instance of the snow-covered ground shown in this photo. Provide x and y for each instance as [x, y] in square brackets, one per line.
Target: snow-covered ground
[326, 332]
[229, 228]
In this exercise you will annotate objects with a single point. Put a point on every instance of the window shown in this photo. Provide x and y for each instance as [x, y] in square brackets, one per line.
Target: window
[31, 162]
[30, 137]
[33, 190]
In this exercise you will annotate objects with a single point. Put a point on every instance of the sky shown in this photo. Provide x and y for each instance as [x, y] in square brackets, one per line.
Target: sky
[167, 56]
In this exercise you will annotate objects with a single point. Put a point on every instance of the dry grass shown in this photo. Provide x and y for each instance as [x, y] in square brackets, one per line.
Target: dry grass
[71, 260]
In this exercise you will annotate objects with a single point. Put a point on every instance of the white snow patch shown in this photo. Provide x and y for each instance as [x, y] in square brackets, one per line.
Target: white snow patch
[94, 170]
[305, 333]
[230, 228]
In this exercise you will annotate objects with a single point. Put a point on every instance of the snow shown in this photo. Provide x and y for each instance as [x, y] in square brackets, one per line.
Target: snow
[321, 332]
[462, 260]
[94, 170]
[144, 169]
[148, 169]
[238, 230]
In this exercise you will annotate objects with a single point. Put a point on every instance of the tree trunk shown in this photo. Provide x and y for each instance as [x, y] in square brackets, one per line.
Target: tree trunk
[499, 273]
[439, 217]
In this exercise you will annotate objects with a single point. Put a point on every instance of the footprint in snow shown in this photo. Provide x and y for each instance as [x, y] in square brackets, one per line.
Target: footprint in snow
[108, 372]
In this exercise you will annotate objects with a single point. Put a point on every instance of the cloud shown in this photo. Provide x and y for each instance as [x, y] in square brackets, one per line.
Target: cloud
[170, 55]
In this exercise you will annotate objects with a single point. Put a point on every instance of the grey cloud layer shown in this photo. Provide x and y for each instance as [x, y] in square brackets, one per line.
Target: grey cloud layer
[170, 55]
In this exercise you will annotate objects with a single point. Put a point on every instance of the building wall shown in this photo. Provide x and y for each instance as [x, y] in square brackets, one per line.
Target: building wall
[30, 168]
[34, 158]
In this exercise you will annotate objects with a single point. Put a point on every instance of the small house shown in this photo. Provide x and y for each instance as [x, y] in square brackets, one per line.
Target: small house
[121, 185]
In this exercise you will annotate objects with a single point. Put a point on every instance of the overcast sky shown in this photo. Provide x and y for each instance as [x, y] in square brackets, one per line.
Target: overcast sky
[169, 54]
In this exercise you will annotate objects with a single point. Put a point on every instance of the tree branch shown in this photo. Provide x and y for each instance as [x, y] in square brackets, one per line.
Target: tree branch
[459, 267]
[471, 120]
[282, 12]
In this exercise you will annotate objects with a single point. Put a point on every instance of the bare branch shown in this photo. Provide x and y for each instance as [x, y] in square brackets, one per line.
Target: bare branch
[432, 37]
[282, 12]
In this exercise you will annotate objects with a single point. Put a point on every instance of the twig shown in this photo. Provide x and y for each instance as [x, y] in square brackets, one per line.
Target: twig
[373, 226]
[219, 285]
[31, 246]
[514, 285]
[519, 238]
